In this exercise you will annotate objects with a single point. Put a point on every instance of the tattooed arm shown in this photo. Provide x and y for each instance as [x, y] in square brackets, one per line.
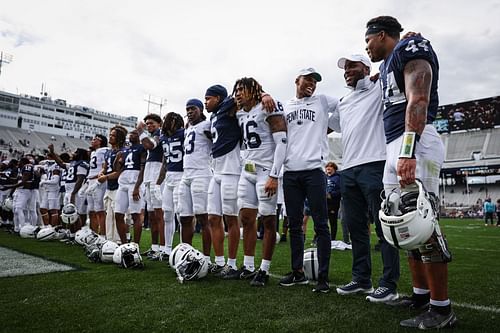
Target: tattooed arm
[418, 79]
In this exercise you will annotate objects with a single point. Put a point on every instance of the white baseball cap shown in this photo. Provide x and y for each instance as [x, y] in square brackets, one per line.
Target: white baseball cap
[310, 71]
[355, 58]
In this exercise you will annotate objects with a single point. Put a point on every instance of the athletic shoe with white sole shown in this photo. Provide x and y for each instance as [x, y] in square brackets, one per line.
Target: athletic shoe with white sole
[382, 295]
[354, 287]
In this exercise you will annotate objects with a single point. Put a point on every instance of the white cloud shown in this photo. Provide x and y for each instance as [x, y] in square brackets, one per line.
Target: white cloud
[111, 55]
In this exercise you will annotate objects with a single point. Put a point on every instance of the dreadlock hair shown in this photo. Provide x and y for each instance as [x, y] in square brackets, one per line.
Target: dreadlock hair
[81, 154]
[121, 134]
[389, 24]
[251, 86]
[172, 122]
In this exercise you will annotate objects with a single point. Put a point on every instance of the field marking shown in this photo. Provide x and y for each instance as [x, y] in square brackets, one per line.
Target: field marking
[483, 308]
[474, 249]
[14, 263]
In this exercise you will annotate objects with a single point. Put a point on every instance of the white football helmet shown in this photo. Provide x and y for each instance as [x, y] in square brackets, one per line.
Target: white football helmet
[93, 252]
[7, 204]
[69, 214]
[408, 221]
[86, 236]
[311, 264]
[128, 256]
[107, 251]
[178, 253]
[28, 231]
[192, 265]
[46, 233]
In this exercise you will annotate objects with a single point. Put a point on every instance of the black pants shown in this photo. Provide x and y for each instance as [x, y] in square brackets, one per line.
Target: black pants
[361, 186]
[297, 186]
[333, 206]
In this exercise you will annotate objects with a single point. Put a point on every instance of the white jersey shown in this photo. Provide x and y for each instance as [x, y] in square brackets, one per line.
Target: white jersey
[96, 161]
[257, 136]
[359, 116]
[307, 125]
[50, 185]
[197, 147]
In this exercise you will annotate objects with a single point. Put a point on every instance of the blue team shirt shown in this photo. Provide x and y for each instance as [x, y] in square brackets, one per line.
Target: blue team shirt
[30, 170]
[173, 150]
[156, 154]
[393, 85]
[109, 157]
[132, 157]
[226, 133]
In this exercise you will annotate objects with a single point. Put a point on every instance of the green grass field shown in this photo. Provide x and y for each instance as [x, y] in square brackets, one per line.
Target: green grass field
[105, 298]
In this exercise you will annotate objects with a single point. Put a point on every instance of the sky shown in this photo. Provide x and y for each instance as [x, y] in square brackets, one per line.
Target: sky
[115, 55]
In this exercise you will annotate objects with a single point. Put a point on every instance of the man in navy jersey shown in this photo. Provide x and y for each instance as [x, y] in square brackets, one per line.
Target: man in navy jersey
[409, 75]
[129, 195]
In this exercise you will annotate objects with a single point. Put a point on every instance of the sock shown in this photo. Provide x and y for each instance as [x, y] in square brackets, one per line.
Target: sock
[155, 247]
[219, 261]
[207, 258]
[232, 263]
[420, 291]
[442, 307]
[162, 248]
[265, 265]
[127, 236]
[248, 262]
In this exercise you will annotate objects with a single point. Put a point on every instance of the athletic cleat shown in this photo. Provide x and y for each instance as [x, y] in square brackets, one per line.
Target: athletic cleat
[232, 274]
[354, 287]
[148, 253]
[164, 257]
[382, 295]
[245, 274]
[260, 279]
[413, 302]
[430, 319]
[293, 278]
[283, 238]
[216, 269]
[322, 287]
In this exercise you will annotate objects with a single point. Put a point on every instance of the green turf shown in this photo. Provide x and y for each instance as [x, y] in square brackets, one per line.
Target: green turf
[105, 298]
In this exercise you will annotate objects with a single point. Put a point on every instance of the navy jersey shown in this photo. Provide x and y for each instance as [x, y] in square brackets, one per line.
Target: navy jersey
[8, 176]
[173, 150]
[333, 185]
[109, 157]
[76, 168]
[392, 77]
[132, 157]
[156, 154]
[225, 129]
[29, 169]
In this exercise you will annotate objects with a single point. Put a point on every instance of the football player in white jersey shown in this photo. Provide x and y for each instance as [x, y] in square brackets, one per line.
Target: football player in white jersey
[306, 117]
[128, 198]
[150, 139]
[96, 190]
[109, 174]
[50, 183]
[193, 188]
[264, 140]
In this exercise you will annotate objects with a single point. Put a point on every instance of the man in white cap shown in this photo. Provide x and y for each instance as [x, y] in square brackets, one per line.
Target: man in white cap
[359, 118]
[306, 118]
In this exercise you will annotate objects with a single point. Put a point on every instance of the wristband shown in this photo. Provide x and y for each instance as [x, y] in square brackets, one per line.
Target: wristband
[408, 145]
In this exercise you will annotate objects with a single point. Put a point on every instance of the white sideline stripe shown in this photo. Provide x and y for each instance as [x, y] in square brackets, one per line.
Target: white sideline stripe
[483, 308]
[473, 249]
[13, 263]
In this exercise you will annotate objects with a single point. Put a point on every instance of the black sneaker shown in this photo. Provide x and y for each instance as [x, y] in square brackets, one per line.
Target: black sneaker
[322, 287]
[283, 238]
[245, 274]
[354, 287]
[293, 278]
[413, 302]
[216, 270]
[431, 319]
[231, 274]
[148, 253]
[260, 279]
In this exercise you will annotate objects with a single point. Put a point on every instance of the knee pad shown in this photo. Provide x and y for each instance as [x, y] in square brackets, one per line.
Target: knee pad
[229, 191]
[435, 251]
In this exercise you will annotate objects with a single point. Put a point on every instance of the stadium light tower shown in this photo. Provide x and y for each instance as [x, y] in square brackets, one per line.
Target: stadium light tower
[5, 58]
[163, 102]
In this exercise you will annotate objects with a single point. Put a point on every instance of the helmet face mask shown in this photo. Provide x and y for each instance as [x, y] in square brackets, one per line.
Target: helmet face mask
[189, 263]
[412, 224]
[128, 256]
[69, 214]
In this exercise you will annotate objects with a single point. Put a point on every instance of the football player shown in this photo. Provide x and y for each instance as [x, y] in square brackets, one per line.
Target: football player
[128, 197]
[8, 177]
[409, 75]
[50, 182]
[150, 139]
[306, 117]
[172, 141]
[117, 137]
[264, 140]
[23, 195]
[196, 177]
[96, 190]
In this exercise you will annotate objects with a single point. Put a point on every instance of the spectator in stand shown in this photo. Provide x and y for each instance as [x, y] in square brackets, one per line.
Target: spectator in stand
[488, 210]
[498, 213]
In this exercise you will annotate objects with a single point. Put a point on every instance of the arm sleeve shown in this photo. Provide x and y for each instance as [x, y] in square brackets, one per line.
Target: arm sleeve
[280, 140]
